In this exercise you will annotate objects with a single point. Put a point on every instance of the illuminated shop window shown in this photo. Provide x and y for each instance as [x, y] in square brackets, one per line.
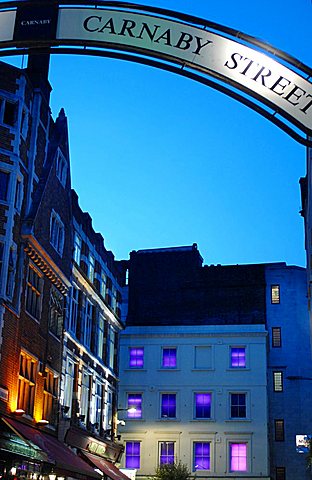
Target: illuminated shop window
[27, 383]
[136, 357]
[133, 455]
[169, 357]
[238, 357]
[275, 294]
[168, 405]
[201, 457]
[135, 401]
[202, 405]
[238, 457]
[166, 453]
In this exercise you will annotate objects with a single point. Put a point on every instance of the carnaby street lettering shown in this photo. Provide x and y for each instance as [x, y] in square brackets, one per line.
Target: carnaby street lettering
[256, 73]
[282, 86]
[155, 33]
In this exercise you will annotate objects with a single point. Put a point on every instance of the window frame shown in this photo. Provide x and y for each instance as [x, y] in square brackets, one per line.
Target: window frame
[196, 406]
[168, 359]
[238, 406]
[27, 381]
[57, 232]
[135, 399]
[137, 359]
[195, 458]
[246, 457]
[61, 167]
[134, 456]
[278, 385]
[167, 454]
[276, 337]
[239, 358]
[165, 406]
[279, 430]
[275, 294]
[36, 292]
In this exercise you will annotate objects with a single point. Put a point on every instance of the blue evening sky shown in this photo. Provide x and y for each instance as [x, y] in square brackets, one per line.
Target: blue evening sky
[159, 160]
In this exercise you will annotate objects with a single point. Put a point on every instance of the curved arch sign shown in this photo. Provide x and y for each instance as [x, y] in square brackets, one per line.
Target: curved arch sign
[265, 79]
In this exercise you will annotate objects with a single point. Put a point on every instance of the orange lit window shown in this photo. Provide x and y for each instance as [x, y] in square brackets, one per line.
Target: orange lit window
[27, 383]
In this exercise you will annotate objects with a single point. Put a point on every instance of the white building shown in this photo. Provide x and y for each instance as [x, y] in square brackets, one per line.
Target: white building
[200, 394]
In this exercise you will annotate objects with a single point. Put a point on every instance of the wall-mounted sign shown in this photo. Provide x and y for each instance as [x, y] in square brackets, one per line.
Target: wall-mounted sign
[303, 443]
[246, 70]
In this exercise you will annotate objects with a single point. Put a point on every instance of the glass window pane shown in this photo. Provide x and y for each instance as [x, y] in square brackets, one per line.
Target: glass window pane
[169, 358]
[238, 357]
[238, 457]
[202, 405]
[136, 357]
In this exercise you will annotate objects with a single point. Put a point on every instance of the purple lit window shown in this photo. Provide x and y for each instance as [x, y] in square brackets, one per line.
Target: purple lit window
[238, 357]
[136, 359]
[168, 405]
[166, 450]
[135, 402]
[202, 405]
[169, 358]
[132, 454]
[238, 457]
[201, 456]
[238, 405]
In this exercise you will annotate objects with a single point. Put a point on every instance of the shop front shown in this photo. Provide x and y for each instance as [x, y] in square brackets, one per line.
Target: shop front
[28, 453]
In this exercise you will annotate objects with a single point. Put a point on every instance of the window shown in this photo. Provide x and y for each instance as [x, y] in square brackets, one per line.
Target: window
[238, 357]
[166, 453]
[50, 394]
[88, 323]
[97, 416]
[276, 337]
[74, 310]
[275, 294]
[61, 168]
[202, 405]
[136, 357]
[135, 401]
[100, 335]
[108, 409]
[91, 268]
[10, 113]
[238, 405]
[278, 381]
[132, 454]
[280, 473]
[114, 299]
[201, 456]
[27, 383]
[1, 256]
[56, 312]
[279, 430]
[169, 357]
[238, 457]
[203, 357]
[11, 272]
[111, 340]
[84, 400]
[4, 185]
[77, 248]
[57, 232]
[103, 284]
[69, 384]
[18, 195]
[168, 405]
[34, 292]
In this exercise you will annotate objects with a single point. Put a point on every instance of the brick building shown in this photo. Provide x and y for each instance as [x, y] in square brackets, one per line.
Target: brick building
[38, 212]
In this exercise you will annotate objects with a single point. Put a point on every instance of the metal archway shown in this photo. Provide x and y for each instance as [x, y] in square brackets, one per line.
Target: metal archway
[265, 79]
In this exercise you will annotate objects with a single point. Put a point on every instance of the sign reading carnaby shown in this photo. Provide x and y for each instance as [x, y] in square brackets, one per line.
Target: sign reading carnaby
[244, 68]
[195, 47]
